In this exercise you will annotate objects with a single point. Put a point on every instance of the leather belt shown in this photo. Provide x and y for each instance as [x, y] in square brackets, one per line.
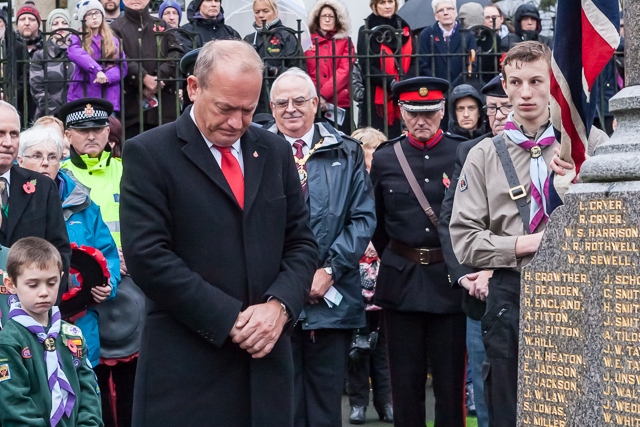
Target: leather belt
[423, 256]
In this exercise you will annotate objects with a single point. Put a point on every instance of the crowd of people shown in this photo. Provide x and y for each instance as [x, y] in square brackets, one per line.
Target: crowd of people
[280, 226]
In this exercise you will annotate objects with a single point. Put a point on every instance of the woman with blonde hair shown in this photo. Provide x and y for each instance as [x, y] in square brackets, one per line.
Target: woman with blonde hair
[98, 71]
[276, 44]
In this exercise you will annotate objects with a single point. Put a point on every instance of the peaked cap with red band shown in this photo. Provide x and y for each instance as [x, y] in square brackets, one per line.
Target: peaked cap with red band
[421, 93]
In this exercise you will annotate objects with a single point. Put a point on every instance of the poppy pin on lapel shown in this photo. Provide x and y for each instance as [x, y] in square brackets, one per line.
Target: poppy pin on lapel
[255, 154]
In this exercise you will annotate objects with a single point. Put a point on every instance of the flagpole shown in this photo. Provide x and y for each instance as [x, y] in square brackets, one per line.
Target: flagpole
[619, 159]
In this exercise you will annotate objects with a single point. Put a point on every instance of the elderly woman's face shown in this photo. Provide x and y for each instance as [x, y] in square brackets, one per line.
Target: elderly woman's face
[386, 8]
[263, 12]
[41, 158]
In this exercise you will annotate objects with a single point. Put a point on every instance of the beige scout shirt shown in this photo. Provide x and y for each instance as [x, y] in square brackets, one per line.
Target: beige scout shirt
[485, 222]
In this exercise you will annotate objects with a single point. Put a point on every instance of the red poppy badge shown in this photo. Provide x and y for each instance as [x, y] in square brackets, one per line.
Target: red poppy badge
[445, 180]
[30, 186]
[274, 40]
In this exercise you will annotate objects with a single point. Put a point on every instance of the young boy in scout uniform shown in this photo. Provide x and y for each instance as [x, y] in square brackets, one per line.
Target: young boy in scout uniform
[423, 314]
[45, 378]
[499, 216]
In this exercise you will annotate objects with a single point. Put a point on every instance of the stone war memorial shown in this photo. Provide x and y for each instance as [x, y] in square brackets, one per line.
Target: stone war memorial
[579, 350]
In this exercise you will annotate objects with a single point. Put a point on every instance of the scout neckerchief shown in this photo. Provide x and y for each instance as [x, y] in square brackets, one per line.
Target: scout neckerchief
[537, 169]
[420, 145]
[62, 396]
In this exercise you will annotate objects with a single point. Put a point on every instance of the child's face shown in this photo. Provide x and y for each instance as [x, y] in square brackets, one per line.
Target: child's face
[93, 19]
[37, 290]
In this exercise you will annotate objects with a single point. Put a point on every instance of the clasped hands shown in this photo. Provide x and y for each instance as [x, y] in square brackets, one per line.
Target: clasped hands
[258, 328]
[477, 283]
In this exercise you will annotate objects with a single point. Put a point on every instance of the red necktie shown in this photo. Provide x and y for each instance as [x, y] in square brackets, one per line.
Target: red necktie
[232, 172]
[302, 169]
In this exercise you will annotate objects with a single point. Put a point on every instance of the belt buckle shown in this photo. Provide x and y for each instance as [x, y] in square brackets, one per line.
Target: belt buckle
[521, 192]
[425, 256]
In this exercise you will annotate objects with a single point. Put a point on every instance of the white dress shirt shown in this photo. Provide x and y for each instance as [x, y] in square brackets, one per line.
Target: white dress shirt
[307, 138]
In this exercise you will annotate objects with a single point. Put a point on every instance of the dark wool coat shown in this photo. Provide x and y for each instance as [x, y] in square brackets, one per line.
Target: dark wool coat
[200, 259]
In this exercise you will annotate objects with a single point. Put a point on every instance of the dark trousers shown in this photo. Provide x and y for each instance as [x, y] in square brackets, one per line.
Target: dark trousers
[500, 337]
[413, 338]
[374, 365]
[123, 376]
[320, 362]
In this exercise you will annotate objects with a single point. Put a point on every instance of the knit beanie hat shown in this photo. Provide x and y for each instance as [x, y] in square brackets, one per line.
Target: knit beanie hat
[30, 9]
[170, 3]
[85, 6]
[57, 13]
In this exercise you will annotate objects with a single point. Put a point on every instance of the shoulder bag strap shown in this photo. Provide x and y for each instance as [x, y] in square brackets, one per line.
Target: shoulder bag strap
[516, 191]
[424, 203]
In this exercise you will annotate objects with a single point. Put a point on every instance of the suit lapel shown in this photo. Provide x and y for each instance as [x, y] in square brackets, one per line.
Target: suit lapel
[18, 199]
[254, 156]
[198, 152]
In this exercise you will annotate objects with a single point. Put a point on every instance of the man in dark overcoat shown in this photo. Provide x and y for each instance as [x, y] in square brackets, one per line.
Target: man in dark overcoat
[215, 232]
[422, 312]
[30, 201]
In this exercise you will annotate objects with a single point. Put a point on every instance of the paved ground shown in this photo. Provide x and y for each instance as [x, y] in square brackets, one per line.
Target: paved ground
[372, 415]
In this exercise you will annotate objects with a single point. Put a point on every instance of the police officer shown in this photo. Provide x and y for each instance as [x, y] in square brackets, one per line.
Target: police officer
[423, 313]
[86, 122]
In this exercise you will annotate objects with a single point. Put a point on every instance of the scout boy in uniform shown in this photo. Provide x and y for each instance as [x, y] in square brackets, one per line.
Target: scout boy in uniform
[45, 378]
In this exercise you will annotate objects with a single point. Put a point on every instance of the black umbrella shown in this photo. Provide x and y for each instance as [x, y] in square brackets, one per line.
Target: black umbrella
[419, 14]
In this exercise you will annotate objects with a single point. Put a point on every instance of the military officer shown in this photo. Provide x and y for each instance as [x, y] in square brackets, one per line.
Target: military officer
[423, 313]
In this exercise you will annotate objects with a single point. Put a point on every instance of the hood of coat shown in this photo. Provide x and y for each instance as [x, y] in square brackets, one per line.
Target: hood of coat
[193, 14]
[342, 18]
[526, 10]
[459, 92]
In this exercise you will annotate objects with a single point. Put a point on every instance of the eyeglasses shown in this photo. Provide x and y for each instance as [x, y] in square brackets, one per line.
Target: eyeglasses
[39, 158]
[92, 14]
[491, 110]
[491, 18]
[281, 104]
[328, 17]
[446, 9]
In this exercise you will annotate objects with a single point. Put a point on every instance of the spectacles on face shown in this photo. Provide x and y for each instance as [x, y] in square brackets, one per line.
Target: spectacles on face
[92, 14]
[39, 158]
[446, 10]
[492, 110]
[327, 17]
[299, 102]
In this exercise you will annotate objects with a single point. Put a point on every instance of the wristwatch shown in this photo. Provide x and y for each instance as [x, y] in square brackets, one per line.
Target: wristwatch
[328, 270]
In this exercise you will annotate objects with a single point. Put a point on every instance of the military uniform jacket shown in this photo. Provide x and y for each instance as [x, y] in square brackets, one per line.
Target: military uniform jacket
[485, 222]
[25, 399]
[402, 284]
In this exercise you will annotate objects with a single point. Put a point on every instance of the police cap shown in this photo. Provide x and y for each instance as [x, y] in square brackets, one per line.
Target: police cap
[188, 62]
[420, 93]
[494, 88]
[85, 113]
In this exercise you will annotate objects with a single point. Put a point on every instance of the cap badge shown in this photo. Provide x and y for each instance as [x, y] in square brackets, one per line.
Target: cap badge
[88, 110]
[423, 91]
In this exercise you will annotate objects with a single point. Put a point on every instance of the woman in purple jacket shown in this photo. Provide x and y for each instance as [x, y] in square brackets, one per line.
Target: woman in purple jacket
[98, 72]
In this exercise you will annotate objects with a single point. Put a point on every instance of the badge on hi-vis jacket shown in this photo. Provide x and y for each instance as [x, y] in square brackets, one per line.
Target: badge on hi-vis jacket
[463, 182]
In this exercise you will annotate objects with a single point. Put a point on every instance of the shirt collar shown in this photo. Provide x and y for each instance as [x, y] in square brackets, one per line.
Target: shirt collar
[534, 136]
[235, 146]
[307, 137]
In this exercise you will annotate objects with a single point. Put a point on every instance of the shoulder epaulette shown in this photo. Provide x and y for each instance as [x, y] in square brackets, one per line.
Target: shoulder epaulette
[389, 142]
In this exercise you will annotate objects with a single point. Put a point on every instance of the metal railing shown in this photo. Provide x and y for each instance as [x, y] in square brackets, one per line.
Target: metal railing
[15, 67]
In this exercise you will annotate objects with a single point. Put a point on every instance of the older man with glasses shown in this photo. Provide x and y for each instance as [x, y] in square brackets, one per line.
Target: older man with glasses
[338, 191]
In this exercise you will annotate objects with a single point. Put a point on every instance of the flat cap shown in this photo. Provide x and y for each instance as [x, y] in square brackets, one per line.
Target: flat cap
[494, 88]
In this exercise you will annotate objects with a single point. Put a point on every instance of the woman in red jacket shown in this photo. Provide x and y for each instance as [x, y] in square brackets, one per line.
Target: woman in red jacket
[329, 68]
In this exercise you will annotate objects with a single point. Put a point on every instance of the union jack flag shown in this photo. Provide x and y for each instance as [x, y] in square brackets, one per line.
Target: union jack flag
[581, 49]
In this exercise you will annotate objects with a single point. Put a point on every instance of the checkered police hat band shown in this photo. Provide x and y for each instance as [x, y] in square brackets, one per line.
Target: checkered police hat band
[81, 116]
